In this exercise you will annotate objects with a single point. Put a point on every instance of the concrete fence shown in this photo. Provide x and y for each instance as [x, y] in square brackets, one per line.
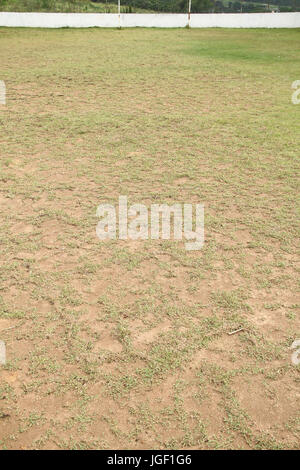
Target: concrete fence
[159, 20]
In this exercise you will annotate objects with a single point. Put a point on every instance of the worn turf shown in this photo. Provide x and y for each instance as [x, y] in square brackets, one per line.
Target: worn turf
[125, 344]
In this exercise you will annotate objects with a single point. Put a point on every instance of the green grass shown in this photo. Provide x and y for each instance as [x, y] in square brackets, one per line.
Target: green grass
[66, 6]
[125, 344]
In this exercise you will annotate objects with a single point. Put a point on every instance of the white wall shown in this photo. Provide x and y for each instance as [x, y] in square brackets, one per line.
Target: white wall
[58, 20]
[154, 20]
[246, 20]
[162, 20]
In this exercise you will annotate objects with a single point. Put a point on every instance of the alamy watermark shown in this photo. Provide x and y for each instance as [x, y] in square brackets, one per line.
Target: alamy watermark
[138, 222]
[296, 94]
[2, 92]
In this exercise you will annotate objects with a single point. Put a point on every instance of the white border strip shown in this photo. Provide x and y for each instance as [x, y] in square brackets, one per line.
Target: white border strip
[2, 353]
[159, 20]
[2, 92]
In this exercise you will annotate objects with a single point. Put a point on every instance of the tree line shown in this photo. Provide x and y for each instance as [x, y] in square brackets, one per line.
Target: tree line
[168, 6]
[203, 6]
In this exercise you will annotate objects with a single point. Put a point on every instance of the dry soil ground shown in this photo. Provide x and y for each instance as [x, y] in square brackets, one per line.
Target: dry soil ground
[125, 344]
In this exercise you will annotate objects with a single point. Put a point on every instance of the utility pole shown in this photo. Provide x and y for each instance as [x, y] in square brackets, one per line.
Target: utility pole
[119, 12]
[189, 12]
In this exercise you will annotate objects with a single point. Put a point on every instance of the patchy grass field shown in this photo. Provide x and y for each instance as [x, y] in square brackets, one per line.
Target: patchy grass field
[125, 344]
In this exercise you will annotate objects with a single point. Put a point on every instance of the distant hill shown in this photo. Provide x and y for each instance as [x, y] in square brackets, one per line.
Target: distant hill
[66, 6]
